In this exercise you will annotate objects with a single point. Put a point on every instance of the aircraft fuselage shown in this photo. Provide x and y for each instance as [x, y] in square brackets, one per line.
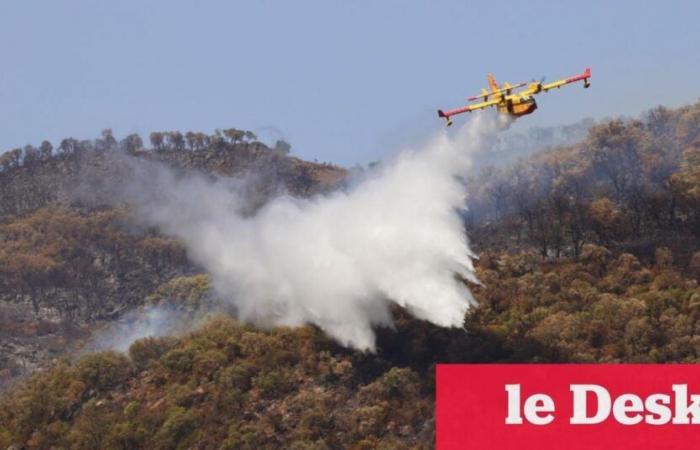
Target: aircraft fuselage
[518, 106]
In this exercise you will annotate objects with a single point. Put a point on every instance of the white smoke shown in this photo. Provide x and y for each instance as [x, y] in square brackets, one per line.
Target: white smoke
[151, 321]
[338, 261]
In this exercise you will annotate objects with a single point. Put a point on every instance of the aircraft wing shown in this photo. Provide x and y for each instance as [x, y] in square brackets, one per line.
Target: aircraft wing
[483, 105]
[447, 115]
[536, 88]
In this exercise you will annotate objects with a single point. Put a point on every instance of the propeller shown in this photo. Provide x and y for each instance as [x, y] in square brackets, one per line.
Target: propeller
[538, 83]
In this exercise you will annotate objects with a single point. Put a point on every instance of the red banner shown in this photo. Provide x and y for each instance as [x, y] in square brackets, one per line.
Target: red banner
[567, 406]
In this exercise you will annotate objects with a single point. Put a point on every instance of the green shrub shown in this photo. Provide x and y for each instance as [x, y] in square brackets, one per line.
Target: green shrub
[179, 360]
[126, 436]
[189, 291]
[178, 425]
[274, 383]
[132, 409]
[145, 351]
[237, 376]
[305, 444]
[104, 371]
[208, 362]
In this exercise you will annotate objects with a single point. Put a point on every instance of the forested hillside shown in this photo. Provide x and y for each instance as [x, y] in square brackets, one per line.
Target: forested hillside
[588, 253]
[630, 185]
[68, 267]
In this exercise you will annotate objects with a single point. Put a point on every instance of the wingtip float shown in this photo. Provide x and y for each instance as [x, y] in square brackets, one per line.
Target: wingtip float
[509, 102]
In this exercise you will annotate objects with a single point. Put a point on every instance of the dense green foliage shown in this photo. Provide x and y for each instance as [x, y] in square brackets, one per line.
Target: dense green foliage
[225, 386]
[601, 308]
[232, 386]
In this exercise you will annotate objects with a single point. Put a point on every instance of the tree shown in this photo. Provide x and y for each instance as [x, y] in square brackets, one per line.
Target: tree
[203, 140]
[45, 149]
[176, 140]
[157, 140]
[196, 141]
[69, 146]
[107, 142]
[217, 141]
[5, 161]
[687, 180]
[178, 425]
[191, 140]
[605, 219]
[31, 155]
[660, 121]
[234, 135]
[617, 150]
[132, 143]
[147, 350]
[497, 189]
[282, 147]
[103, 371]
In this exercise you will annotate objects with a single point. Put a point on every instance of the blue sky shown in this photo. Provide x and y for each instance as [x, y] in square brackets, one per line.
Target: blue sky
[342, 81]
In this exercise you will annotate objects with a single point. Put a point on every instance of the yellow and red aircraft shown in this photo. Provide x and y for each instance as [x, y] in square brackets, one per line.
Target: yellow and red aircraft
[514, 103]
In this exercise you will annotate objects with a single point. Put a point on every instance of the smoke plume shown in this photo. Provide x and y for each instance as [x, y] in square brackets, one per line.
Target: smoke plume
[151, 321]
[338, 261]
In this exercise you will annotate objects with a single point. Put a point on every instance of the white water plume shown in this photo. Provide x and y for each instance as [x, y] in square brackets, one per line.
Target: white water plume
[338, 261]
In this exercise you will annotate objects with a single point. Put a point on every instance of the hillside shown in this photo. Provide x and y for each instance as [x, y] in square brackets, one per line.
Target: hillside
[67, 266]
[630, 185]
[588, 253]
[36, 177]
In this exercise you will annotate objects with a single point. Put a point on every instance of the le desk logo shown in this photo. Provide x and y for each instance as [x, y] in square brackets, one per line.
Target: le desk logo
[547, 406]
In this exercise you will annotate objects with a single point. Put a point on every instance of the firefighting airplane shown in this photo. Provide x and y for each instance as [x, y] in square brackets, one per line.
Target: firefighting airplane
[514, 103]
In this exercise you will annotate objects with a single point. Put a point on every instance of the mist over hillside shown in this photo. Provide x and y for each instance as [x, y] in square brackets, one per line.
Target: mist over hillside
[506, 148]
[68, 266]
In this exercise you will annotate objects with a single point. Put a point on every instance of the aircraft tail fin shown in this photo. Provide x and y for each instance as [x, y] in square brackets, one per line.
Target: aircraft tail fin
[493, 85]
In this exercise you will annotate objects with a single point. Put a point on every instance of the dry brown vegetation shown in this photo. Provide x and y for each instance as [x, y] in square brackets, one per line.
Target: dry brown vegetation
[631, 185]
[67, 265]
[232, 386]
[589, 253]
